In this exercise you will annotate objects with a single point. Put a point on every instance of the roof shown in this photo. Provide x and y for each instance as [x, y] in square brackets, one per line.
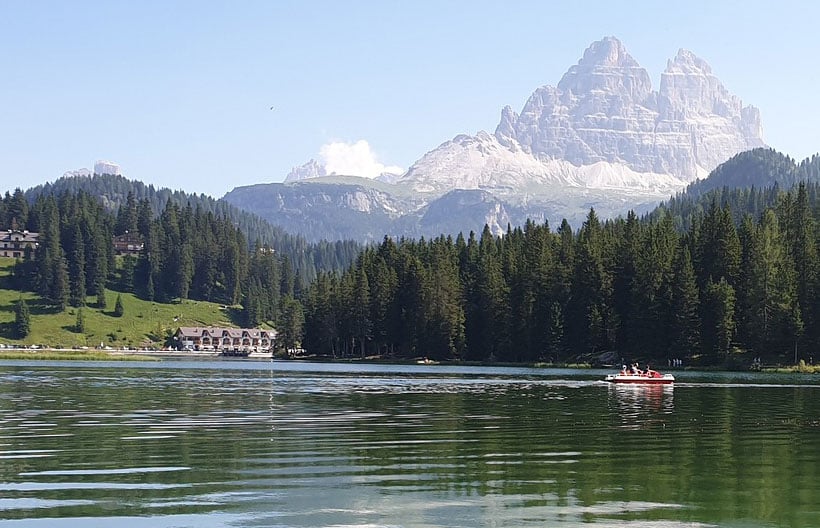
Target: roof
[217, 332]
[19, 236]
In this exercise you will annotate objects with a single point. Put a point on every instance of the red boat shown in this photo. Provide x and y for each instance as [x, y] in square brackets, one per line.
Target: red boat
[647, 378]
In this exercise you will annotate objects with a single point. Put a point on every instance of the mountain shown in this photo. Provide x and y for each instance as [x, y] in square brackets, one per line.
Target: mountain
[748, 184]
[331, 207]
[604, 109]
[311, 169]
[758, 168]
[602, 137]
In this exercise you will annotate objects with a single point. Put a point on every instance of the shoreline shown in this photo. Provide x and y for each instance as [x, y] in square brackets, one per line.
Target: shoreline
[56, 354]
[114, 354]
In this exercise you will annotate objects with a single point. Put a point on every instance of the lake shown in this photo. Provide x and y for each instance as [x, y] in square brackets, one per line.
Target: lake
[290, 444]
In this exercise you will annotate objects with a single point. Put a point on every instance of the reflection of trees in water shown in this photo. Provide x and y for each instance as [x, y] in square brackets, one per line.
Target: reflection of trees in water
[639, 406]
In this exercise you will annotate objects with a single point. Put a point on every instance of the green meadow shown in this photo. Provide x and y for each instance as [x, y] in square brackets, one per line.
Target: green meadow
[144, 324]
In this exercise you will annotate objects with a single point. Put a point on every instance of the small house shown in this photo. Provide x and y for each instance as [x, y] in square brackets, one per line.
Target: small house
[15, 243]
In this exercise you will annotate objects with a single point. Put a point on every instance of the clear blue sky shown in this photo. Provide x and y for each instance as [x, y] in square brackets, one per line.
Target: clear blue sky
[179, 93]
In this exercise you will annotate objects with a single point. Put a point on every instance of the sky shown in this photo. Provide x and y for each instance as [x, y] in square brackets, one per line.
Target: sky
[208, 96]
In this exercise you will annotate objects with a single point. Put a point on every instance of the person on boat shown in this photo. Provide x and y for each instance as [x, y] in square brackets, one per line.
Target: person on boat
[635, 370]
[649, 372]
[623, 370]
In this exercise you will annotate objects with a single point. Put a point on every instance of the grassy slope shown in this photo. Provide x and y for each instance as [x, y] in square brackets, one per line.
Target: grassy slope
[144, 323]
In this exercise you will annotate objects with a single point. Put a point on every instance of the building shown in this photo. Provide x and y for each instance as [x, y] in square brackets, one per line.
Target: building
[128, 244]
[224, 339]
[15, 243]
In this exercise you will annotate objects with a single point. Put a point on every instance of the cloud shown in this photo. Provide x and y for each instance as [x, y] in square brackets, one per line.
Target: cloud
[353, 159]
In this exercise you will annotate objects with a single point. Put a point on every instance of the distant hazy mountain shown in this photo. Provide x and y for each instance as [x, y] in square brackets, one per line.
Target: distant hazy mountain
[760, 168]
[601, 138]
[747, 184]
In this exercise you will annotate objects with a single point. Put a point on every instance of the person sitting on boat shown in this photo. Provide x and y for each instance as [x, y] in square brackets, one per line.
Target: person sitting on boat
[649, 372]
[623, 370]
[635, 370]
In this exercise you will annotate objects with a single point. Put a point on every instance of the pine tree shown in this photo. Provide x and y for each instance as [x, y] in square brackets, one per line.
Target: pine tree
[718, 321]
[320, 320]
[101, 302]
[292, 324]
[591, 307]
[410, 317]
[150, 293]
[59, 292]
[119, 309]
[445, 315]
[652, 311]
[76, 270]
[48, 258]
[772, 314]
[250, 306]
[96, 262]
[79, 325]
[362, 326]
[127, 216]
[556, 346]
[17, 211]
[144, 217]
[490, 339]
[22, 319]
[626, 287]
[382, 299]
[185, 271]
[801, 237]
[719, 247]
[685, 339]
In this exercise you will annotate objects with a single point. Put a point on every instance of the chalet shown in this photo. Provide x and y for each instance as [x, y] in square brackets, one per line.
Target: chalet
[15, 243]
[220, 339]
[128, 244]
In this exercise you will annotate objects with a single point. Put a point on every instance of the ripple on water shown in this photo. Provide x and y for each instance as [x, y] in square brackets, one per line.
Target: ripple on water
[111, 471]
[169, 447]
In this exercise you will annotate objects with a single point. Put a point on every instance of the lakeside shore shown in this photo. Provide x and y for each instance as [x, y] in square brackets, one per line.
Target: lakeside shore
[56, 354]
[115, 354]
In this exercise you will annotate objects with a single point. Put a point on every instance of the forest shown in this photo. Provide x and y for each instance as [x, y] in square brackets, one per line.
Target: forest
[188, 253]
[115, 192]
[725, 289]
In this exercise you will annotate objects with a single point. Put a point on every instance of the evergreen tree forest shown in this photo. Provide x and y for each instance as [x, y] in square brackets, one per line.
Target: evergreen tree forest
[117, 193]
[188, 253]
[712, 279]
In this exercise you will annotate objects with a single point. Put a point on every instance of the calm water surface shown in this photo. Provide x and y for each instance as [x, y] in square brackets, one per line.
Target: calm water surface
[252, 444]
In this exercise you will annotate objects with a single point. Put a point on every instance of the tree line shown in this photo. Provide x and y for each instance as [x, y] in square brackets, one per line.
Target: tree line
[726, 287]
[187, 253]
[117, 192]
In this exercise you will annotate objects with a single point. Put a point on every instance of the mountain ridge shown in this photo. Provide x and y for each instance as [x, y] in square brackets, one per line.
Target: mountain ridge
[601, 137]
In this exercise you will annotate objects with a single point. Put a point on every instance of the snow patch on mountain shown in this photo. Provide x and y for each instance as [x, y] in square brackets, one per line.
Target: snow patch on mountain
[482, 162]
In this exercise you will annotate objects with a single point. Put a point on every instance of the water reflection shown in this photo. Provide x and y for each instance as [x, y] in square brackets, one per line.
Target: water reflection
[169, 447]
[639, 406]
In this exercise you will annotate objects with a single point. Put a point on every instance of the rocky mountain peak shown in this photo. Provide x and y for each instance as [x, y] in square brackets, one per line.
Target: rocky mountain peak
[686, 62]
[607, 67]
[311, 169]
[605, 110]
[689, 88]
[608, 52]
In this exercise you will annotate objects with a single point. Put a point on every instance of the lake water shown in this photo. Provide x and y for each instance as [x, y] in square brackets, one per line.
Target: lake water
[273, 444]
